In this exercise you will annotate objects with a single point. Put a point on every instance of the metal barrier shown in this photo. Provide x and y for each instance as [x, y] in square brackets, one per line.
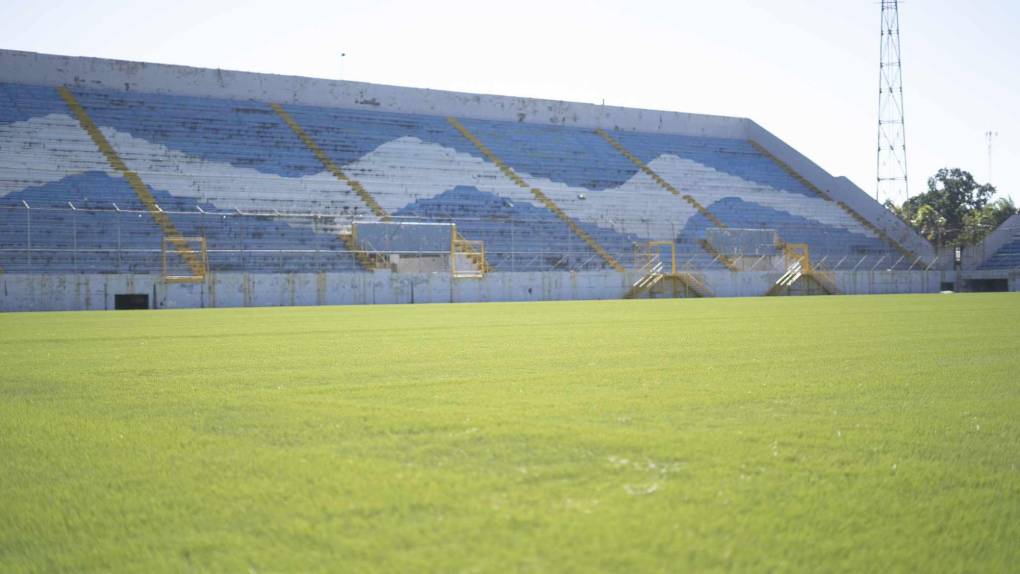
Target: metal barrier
[83, 238]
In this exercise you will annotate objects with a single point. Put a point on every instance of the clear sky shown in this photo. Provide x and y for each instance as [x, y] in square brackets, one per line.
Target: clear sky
[806, 70]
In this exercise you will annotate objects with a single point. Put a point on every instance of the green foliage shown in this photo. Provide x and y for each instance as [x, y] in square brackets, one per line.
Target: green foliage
[928, 222]
[979, 223]
[955, 210]
[774, 434]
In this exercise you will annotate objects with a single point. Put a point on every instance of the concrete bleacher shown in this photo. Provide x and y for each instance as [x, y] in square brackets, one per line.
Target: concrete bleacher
[595, 185]
[745, 189]
[235, 155]
[1006, 257]
[518, 237]
[94, 223]
[208, 160]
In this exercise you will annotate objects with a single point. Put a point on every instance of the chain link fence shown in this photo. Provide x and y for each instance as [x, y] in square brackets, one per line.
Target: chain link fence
[79, 239]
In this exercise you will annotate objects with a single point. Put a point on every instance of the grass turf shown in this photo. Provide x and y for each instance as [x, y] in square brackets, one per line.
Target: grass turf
[828, 433]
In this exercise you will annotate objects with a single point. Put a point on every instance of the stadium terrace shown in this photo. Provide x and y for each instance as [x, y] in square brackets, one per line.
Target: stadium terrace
[127, 184]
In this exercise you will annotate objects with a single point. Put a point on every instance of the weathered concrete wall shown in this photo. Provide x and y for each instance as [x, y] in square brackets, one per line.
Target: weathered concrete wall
[965, 277]
[82, 292]
[73, 292]
[888, 282]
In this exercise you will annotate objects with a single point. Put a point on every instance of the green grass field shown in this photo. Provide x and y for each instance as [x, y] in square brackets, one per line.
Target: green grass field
[811, 434]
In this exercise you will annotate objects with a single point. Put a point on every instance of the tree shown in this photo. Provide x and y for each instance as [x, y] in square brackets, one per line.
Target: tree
[929, 222]
[955, 209]
[979, 223]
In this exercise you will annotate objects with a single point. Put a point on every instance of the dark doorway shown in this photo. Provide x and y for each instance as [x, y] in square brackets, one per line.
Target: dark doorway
[987, 285]
[124, 301]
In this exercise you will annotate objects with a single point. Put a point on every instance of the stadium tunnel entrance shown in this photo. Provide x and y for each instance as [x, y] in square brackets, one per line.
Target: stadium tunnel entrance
[130, 301]
[987, 285]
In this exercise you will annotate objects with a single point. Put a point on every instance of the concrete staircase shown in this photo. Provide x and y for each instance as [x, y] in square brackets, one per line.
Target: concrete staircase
[721, 257]
[331, 167]
[674, 285]
[366, 260]
[801, 272]
[658, 179]
[656, 280]
[670, 188]
[908, 254]
[537, 193]
[170, 232]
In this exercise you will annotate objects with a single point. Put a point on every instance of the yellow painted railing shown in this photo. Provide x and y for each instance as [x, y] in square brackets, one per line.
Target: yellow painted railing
[366, 260]
[170, 232]
[363, 258]
[659, 179]
[538, 194]
[657, 272]
[798, 259]
[722, 257]
[331, 167]
[169, 273]
[670, 188]
[474, 251]
[910, 255]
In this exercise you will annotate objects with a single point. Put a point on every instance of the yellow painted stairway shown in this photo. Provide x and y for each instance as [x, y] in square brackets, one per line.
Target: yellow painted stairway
[170, 232]
[365, 259]
[675, 284]
[799, 268]
[669, 187]
[331, 167]
[908, 254]
[537, 193]
[659, 179]
[722, 257]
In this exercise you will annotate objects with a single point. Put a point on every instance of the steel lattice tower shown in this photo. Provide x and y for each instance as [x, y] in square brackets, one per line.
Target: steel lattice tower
[892, 142]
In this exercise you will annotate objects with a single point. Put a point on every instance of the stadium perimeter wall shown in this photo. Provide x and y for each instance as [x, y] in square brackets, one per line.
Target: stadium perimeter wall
[65, 292]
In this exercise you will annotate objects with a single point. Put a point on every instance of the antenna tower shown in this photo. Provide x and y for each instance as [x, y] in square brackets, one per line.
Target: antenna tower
[892, 142]
[990, 136]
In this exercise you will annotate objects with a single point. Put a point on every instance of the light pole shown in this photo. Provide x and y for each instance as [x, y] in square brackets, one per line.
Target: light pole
[342, 55]
[990, 135]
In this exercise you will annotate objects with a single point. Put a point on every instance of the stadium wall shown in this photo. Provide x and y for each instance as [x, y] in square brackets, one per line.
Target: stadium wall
[68, 292]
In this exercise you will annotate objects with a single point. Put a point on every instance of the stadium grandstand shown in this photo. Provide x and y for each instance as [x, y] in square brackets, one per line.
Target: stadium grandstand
[129, 184]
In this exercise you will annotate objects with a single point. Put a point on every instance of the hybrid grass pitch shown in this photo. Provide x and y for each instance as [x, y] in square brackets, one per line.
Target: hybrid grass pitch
[821, 434]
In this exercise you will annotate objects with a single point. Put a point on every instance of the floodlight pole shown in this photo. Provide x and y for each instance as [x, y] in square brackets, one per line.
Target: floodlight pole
[892, 141]
[990, 135]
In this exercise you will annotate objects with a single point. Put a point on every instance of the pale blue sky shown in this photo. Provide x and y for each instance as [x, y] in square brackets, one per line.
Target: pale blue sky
[806, 70]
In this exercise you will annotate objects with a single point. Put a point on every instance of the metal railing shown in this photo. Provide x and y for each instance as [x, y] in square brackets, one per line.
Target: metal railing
[81, 237]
